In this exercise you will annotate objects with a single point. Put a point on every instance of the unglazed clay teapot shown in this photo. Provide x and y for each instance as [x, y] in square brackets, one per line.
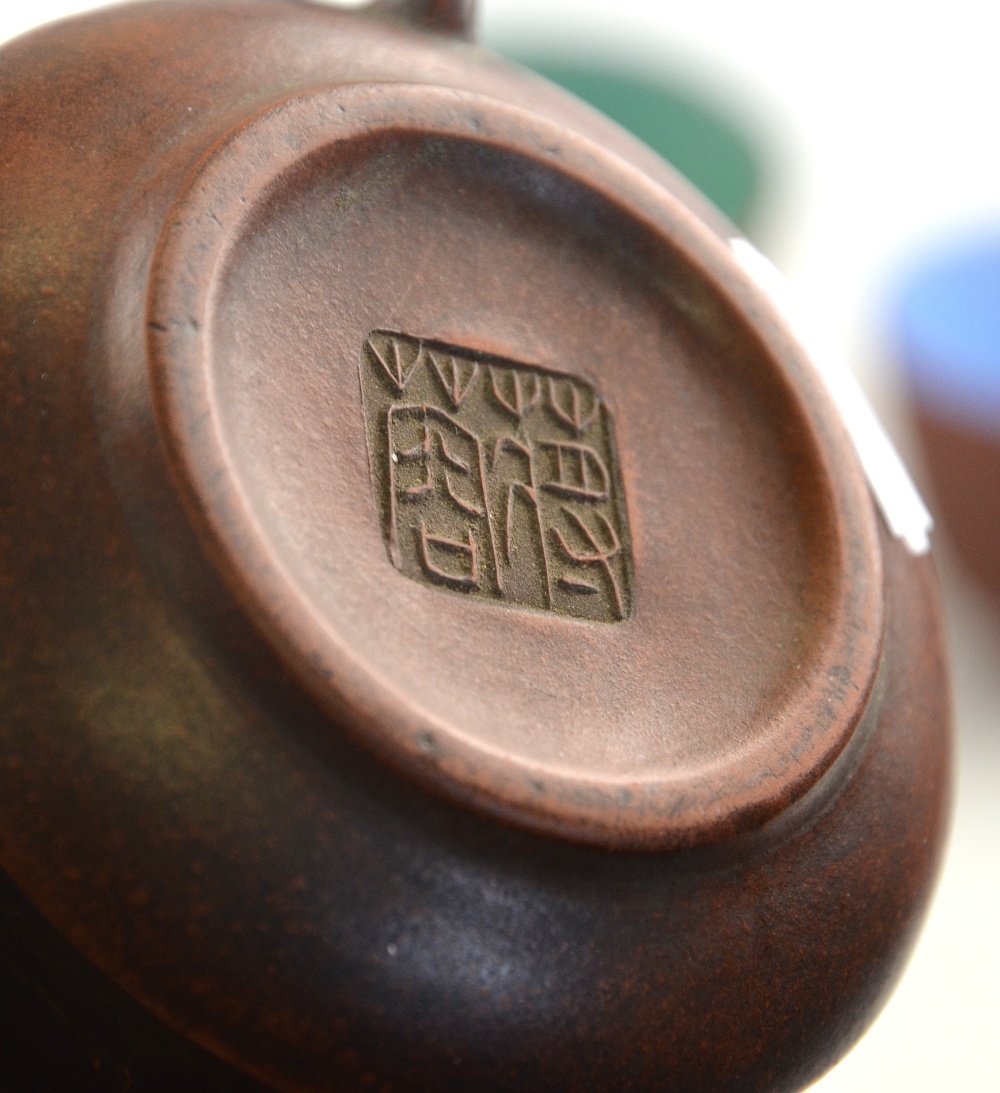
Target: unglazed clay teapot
[450, 640]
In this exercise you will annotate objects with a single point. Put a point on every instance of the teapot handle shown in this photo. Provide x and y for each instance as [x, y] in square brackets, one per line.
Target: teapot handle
[451, 17]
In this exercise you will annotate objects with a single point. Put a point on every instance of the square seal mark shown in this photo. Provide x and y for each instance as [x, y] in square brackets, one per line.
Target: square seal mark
[496, 479]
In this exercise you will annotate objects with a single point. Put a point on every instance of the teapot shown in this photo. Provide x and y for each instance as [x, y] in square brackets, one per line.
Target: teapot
[458, 634]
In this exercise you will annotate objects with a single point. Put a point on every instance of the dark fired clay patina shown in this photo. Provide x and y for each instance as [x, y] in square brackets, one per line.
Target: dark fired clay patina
[449, 642]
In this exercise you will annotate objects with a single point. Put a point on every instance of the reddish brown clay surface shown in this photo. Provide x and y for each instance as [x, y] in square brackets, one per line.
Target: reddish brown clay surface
[963, 462]
[449, 640]
[583, 363]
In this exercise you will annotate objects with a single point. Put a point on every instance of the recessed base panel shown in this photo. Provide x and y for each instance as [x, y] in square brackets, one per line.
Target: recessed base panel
[480, 420]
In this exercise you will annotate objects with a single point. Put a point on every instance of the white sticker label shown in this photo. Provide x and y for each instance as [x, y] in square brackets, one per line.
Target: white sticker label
[897, 496]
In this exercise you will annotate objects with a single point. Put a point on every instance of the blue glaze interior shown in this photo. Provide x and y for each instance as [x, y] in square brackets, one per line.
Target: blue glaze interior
[946, 324]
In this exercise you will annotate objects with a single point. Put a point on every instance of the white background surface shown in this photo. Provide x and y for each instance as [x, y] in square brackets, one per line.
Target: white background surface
[880, 120]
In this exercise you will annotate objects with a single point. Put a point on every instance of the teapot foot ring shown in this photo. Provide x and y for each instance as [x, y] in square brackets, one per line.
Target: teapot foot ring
[488, 431]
